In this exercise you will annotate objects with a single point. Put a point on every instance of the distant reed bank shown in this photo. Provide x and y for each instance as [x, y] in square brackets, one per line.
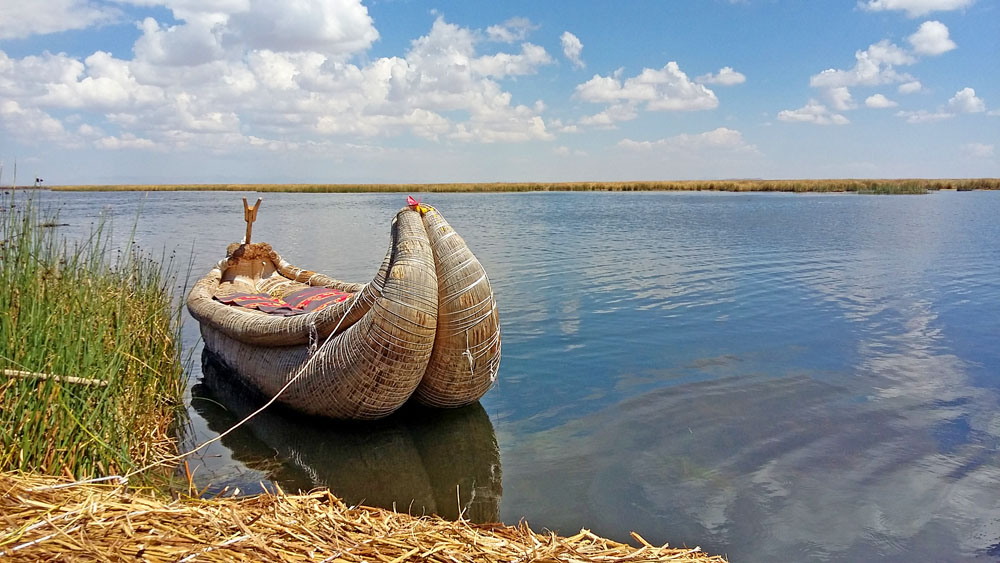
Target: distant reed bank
[897, 186]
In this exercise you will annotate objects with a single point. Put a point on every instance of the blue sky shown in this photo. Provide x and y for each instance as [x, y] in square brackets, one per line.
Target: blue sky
[331, 91]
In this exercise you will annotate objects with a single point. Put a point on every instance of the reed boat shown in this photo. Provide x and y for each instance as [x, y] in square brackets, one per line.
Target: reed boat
[425, 327]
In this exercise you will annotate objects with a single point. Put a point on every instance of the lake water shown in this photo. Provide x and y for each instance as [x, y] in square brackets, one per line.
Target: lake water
[769, 376]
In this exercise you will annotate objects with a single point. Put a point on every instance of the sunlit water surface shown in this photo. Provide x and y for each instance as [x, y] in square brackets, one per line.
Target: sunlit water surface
[773, 377]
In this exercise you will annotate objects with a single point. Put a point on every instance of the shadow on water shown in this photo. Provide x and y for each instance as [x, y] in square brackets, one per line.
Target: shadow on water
[419, 460]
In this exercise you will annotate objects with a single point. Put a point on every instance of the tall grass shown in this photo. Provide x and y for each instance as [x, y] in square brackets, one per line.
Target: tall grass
[85, 311]
[898, 186]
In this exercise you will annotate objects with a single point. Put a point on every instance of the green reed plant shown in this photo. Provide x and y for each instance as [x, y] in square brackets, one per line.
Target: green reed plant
[89, 342]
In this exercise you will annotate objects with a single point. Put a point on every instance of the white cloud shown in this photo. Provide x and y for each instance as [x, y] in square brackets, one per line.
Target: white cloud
[978, 150]
[924, 116]
[916, 8]
[29, 124]
[910, 87]
[179, 45]
[813, 112]
[721, 139]
[931, 39]
[506, 64]
[38, 17]
[102, 83]
[840, 98]
[667, 89]
[126, 141]
[879, 101]
[725, 77]
[610, 116]
[511, 31]
[197, 85]
[572, 48]
[566, 151]
[873, 66]
[965, 101]
[331, 27]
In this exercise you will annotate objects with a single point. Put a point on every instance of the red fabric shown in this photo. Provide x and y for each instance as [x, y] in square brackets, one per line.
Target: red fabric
[300, 302]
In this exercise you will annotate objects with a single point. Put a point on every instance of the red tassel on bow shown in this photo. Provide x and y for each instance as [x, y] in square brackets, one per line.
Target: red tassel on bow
[415, 205]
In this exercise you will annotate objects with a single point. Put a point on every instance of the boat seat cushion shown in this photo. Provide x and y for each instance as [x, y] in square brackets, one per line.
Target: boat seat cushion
[300, 302]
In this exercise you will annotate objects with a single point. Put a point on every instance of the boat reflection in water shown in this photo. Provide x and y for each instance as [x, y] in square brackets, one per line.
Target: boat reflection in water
[419, 460]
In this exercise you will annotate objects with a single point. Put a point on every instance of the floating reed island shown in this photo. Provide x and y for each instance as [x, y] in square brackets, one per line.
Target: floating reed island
[865, 186]
[45, 520]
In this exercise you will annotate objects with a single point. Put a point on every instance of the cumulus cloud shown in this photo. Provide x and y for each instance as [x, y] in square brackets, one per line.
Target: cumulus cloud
[910, 87]
[965, 101]
[126, 141]
[336, 28]
[220, 78]
[721, 139]
[511, 31]
[873, 66]
[924, 116]
[879, 101]
[500, 65]
[840, 98]
[915, 8]
[38, 17]
[725, 77]
[30, 124]
[931, 39]
[813, 112]
[978, 150]
[610, 116]
[572, 48]
[666, 89]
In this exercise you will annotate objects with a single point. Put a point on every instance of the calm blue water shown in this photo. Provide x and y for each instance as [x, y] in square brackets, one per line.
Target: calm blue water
[773, 377]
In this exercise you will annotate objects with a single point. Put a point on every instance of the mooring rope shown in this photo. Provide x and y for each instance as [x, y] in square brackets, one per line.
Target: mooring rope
[270, 402]
[123, 479]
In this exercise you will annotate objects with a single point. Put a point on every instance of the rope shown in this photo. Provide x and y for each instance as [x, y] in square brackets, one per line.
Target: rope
[302, 370]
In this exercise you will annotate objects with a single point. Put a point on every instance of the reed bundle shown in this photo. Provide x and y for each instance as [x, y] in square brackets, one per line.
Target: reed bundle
[42, 520]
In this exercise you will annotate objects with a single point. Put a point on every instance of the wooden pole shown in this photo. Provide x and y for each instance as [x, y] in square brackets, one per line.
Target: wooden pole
[250, 215]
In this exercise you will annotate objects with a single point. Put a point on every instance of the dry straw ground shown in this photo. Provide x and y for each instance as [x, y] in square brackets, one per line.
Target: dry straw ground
[41, 521]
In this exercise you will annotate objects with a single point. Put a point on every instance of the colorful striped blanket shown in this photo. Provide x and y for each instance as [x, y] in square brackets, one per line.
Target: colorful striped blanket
[297, 303]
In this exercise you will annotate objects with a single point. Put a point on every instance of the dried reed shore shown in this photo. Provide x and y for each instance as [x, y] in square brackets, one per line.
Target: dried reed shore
[873, 186]
[41, 519]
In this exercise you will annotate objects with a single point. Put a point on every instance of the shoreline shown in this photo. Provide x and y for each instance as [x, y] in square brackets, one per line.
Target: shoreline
[47, 518]
[878, 186]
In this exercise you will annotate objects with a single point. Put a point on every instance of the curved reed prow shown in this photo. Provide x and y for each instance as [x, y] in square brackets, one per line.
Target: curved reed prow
[466, 355]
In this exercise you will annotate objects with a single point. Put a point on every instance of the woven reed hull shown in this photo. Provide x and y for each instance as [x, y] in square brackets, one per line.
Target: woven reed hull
[390, 338]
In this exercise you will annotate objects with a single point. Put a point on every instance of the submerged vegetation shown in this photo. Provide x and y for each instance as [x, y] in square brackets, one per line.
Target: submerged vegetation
[900, 186]
[91, 380]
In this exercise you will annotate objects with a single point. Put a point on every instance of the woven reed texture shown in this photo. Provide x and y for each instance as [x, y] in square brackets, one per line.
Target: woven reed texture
[466, 357]
[109, 523]
[421, 460]
[233, 275]
[368, 370]
[426, 323]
